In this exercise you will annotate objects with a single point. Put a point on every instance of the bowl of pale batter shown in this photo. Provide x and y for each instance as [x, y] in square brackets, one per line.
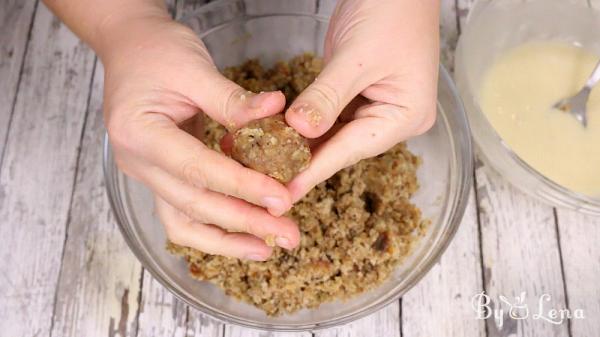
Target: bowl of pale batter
[368, 234]
[513, 63]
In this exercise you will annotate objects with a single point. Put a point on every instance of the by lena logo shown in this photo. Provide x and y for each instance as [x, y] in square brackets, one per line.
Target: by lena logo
[518, 309]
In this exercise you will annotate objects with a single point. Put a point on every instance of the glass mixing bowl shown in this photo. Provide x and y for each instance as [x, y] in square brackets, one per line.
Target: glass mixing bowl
[493, 26]
[234, 31]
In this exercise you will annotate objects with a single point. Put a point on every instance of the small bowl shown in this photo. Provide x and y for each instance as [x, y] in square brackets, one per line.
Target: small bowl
[494, 26]
[234, 31]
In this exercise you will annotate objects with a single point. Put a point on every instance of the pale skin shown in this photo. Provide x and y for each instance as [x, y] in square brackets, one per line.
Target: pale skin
[378, 87]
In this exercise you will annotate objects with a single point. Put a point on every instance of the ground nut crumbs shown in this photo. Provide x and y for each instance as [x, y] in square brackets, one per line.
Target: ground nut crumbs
[270, 240]
[356, 227]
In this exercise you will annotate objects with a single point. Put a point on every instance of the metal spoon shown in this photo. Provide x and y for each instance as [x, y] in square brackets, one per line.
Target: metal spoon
[576, 105]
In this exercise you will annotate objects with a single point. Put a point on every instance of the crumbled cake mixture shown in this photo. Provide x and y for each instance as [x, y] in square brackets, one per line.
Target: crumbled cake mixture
[289, 77]
[356, 227]
[272, 147]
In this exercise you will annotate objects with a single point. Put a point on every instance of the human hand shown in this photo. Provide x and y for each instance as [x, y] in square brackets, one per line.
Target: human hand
[159, 76]
[386, 51]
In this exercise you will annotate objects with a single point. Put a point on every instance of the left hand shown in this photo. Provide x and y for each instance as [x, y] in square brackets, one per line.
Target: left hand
[386, 51]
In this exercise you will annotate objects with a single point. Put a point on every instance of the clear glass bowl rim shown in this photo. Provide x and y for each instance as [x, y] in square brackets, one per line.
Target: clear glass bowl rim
[456, 204]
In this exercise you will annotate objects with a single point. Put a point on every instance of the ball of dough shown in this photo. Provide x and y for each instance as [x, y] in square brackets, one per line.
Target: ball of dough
[270, 146]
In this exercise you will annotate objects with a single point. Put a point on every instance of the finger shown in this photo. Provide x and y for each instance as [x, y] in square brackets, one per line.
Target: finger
[209, 239]
[316, 109]
[194, 126]
[224, 211]
[231, 105]
[186, 158]
[314, 143]
[347, 115]
[376, 129]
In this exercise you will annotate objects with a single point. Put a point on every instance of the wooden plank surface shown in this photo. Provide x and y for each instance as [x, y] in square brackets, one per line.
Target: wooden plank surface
[440, 304]
[385, 322]
[199, 324]
[448, 34]
[462, 11]
[520, 251]
[100, 278]
[36, 180]
[237, 331]
[579, 236]
[15, 23]
[161, 314]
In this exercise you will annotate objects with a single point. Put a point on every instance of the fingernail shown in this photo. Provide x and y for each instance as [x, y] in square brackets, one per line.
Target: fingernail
[275, 205]
[283, 242]
[257, 100]
[310, 114]
[255, 257]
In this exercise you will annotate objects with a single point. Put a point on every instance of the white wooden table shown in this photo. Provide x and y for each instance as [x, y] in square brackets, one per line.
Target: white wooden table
[65, 270]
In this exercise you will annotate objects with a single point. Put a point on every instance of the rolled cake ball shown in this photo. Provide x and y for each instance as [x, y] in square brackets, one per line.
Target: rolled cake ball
[272, 147]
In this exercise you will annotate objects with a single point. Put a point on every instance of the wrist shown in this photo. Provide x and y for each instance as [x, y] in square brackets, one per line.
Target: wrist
[126, 27]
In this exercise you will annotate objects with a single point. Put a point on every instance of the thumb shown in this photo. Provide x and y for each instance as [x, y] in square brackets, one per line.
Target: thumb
[233, 106]
[376, 129]
[316, 109]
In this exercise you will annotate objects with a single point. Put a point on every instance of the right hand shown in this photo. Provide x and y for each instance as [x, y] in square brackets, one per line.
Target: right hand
[159, 76]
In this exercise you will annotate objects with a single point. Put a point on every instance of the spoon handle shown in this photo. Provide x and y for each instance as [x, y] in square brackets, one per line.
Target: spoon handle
[595, 77]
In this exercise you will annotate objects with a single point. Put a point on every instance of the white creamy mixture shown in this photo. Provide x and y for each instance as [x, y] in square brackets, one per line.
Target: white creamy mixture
[517, 95]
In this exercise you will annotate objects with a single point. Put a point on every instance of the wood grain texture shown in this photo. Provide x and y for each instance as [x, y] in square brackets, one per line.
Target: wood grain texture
[237, 331]
[36, 180]
[100, 278]
[385, 322]
[326, 7]
[462, 11]
[199, 324]
[520, 251]
[183, 7]
[161, 314]
[448, 34]
[444, 295]
[15, 23]
[282, 5]
[579, 236]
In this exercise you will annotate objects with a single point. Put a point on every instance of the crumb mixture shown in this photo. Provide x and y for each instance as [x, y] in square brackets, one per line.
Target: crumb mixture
[270, 146]
[356, 227]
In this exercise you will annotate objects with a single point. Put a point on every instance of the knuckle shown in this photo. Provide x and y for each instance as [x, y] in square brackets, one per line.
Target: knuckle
[239, 181]
[248, 217]
[191, 210]
[212, 242]
[126, 167]
[174, 233]
[232, 94]
[427, 122]
[326, 94]
[121, 133]
[193, 174]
